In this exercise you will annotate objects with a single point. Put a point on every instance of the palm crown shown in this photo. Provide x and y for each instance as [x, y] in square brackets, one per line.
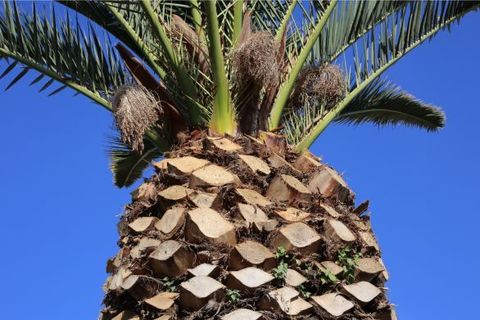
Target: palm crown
[170, 67]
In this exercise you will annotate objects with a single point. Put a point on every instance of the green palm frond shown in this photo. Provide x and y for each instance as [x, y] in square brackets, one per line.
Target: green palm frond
[268, 15]
[350, 21]
[126, 165]
[223, 117]
[383, 103]
[98, 12]
[384, 46]
[299, 120]
[60, 50]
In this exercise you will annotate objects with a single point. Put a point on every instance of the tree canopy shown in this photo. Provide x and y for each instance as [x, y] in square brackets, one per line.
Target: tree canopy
[230, 66]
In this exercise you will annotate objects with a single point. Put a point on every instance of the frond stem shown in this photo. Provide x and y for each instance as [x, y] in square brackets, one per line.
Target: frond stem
[237, 20]
[197, 18]
[185, 82]
[286, 18]
[223, 117]
[287, 87]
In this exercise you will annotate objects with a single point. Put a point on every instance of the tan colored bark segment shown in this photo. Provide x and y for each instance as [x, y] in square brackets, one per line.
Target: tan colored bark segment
[287, 188]
[203, 199]
[204, 269]
[197, 291]
[171, 221]
[243, 314]
[212, 176]
[385, 274]
[331, 267]
[255, 164]
[162, 301]
[294, 278]
[369, 240]
[225, 144]
[362, 291]
[368, 268]
[208, 224]
[297, 236]
[175, 193]
[253, 197]
[306, 162]
[185, 165]
[268, 225]
[335, 229]
[255, 217]
[146, 191]
[274, 142]
[139, 287]
[116, 280]
[278, 162]
[333, 303]
[142, 224]
[143, 245]
[251, 253]
[285, 299]
[171, 259]
[248, 279]
[292, 214]
[329, 184]
[251, 214]
[330, 211]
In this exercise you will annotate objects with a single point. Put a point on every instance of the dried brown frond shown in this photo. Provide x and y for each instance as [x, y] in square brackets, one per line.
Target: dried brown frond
[254, 67]
[319, 86]
[135, 110]
[255, 60]
[182, 32]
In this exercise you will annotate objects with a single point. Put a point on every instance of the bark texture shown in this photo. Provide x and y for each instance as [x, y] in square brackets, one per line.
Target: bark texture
[238, 228]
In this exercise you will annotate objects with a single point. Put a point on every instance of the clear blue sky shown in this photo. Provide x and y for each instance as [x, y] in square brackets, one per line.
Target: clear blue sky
[59, 207]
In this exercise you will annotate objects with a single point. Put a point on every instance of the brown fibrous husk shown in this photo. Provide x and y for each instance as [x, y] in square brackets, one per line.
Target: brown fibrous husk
[324, 85]
[255, 61]
[135, 110]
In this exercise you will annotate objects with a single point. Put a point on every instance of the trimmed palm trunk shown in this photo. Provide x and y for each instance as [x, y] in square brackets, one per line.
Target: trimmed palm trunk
[245, 229]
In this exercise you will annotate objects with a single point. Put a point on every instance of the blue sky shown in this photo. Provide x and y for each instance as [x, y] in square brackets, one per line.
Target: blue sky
[59, 207]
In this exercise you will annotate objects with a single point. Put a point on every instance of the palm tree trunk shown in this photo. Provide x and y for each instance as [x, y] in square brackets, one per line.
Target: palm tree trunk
[245, 229]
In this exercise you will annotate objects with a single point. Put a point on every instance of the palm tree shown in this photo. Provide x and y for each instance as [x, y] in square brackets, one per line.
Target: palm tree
[239, 220]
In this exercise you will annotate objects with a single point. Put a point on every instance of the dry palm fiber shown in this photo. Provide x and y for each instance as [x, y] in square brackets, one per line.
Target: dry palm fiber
[255, 60]
[254, 66]
[319, 86]
[135, 110]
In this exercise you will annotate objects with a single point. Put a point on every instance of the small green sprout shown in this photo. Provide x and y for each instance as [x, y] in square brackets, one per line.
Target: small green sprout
[168, 284]
[304, 291]
[347, 258]
[280, 271]
[281, 253]
[233, 295]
